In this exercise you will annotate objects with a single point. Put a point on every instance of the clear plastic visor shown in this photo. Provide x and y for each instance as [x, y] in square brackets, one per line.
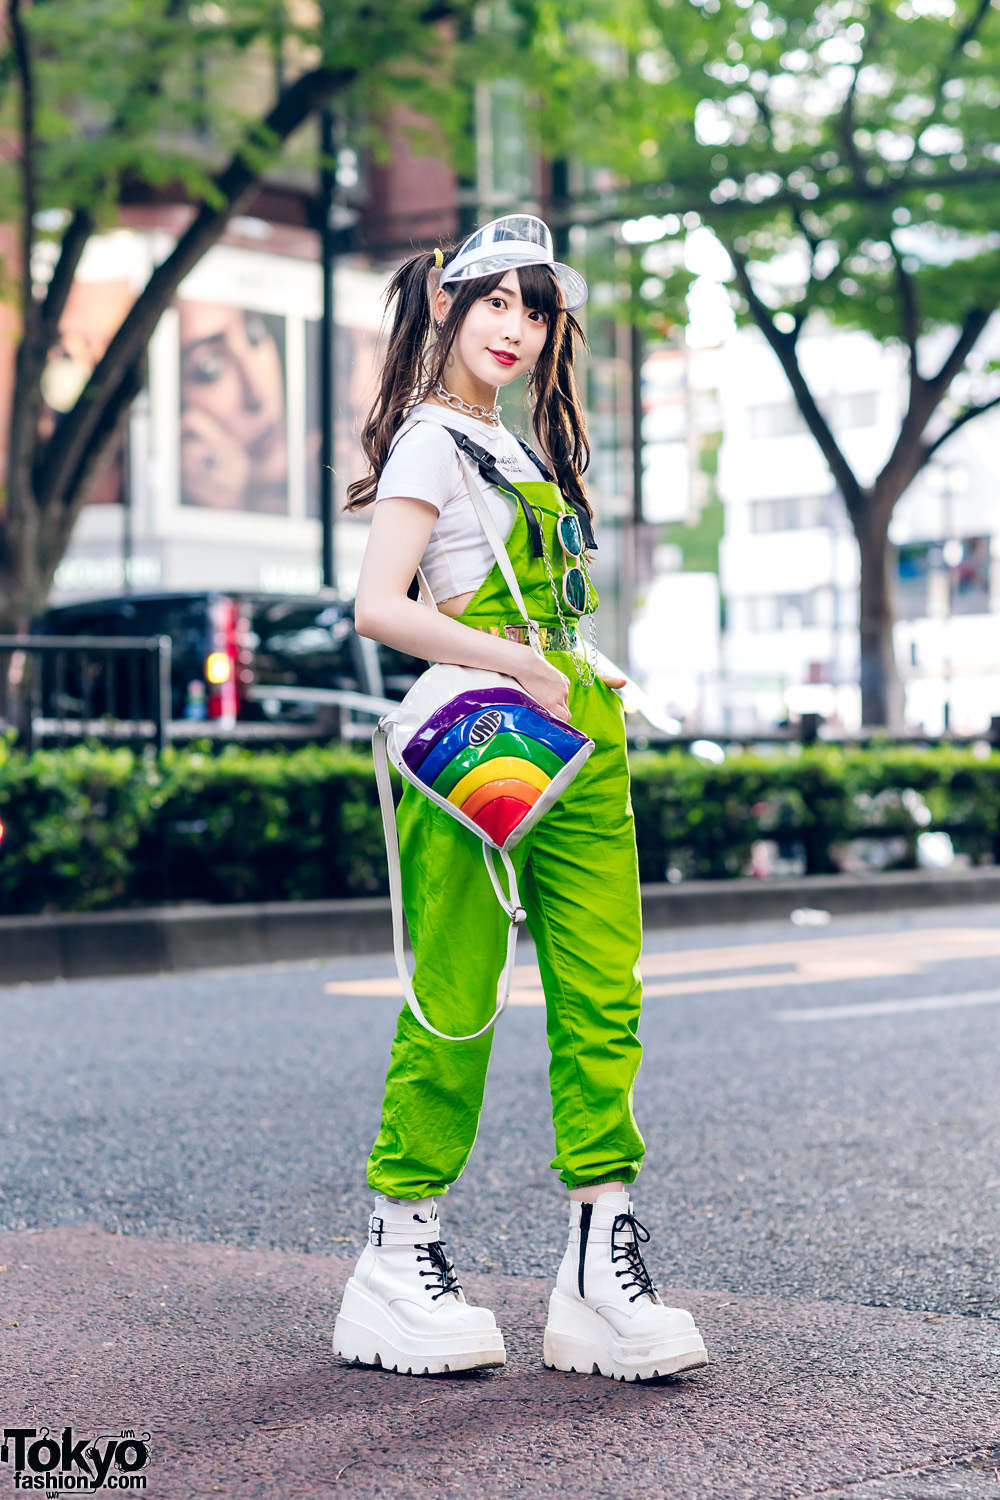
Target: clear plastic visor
[505, 244]
[525, 229]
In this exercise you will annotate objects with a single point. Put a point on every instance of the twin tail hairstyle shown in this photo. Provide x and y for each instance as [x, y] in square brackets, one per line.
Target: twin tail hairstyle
[416, 354]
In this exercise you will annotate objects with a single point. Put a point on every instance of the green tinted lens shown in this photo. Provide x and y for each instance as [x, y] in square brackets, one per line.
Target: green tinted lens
[575, 590]
[570, 535]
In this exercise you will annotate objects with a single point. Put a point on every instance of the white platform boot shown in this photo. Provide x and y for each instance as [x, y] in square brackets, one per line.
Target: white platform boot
[605, 1315]
[404, 1308]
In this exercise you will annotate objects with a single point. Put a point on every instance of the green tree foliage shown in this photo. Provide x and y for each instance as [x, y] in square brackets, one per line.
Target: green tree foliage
[105, 98]
[845, 156]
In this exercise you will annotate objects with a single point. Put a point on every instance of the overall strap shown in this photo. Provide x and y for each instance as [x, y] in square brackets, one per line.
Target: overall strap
[511, 903]
[589, 541]
[539, 464]
[496, 542]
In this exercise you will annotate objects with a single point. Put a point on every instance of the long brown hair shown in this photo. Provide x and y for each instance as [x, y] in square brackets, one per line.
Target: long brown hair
[416, 354]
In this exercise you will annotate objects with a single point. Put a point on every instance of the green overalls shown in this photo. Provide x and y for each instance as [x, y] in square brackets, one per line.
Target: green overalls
[579, 882]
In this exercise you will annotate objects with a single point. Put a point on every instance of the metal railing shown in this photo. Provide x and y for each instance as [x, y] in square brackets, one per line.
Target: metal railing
[68, 688]
[75, 690]
[809, 731]
[346, 703]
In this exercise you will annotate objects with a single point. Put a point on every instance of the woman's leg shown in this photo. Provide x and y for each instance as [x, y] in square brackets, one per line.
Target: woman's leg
[434, 1088]
[403, 1307]
[582, 892]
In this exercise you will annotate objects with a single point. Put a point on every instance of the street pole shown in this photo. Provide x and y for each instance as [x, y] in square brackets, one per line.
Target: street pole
[127, 512]
[631, 523]
[327, 377]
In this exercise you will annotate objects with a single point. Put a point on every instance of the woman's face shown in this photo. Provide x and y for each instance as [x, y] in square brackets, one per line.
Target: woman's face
[500, 338]
[231, 381]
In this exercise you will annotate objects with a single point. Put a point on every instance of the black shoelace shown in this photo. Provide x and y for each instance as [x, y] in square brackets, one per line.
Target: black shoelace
[629, 1251]
[442, 1272]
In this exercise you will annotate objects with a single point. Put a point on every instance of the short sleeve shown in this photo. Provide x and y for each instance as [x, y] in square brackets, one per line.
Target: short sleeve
[423, 465]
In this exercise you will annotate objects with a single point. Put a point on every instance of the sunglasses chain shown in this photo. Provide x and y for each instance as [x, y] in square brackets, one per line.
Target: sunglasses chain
[589, 659]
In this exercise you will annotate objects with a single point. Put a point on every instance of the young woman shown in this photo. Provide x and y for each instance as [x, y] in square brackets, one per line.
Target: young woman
[467, 323]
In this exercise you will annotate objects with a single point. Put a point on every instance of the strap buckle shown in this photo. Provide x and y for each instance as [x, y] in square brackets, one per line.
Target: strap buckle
[518, 916]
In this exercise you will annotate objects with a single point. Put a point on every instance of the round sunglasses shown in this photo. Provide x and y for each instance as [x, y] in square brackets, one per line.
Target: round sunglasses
[574, 584]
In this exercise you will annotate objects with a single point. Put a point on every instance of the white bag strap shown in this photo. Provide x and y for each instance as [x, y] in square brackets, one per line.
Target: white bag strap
[511, 903]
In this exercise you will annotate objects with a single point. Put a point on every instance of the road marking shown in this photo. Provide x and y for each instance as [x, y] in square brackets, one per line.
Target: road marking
[803, 960]
[804, 973]
[888, 1007]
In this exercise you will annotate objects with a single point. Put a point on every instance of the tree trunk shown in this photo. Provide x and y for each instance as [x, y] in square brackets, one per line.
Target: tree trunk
[31, 554]
[881, 690]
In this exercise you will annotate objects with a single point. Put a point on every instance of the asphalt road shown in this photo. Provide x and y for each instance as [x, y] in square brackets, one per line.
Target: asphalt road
[182, 1173]
[790, 1152]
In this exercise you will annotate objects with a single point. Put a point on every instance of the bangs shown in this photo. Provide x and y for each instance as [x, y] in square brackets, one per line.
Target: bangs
[540, 290]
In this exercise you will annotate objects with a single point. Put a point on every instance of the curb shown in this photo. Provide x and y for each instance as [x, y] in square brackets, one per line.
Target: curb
[179, 939]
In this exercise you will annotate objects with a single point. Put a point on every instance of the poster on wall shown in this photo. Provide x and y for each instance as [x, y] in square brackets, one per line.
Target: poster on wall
[233, 408]
[355, 378]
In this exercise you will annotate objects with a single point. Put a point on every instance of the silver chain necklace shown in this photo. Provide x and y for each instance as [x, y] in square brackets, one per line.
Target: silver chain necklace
[487, 413]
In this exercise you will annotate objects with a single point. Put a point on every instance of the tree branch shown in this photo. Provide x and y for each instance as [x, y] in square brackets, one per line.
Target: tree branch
[845, 129]
[970, 331]
[58, 521]
[954, 53]
[232, 187]
[967, 416]
[909, 453]
[670, 198]
[783, 345]
[972, 25]
[74, 242]
[909, 313]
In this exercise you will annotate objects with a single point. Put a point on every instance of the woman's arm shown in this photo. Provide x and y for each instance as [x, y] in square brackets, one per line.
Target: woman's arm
[400, 531]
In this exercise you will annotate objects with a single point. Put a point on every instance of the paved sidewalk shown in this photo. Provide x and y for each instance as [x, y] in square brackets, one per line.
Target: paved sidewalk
[224, 1355]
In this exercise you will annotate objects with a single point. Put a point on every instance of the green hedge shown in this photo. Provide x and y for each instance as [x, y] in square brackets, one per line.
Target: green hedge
[703, 819]
[91, 827]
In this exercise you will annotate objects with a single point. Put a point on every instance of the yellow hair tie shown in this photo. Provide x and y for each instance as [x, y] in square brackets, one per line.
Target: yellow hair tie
[438, 259]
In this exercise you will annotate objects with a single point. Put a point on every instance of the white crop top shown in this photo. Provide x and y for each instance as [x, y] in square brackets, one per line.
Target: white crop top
[423, 465]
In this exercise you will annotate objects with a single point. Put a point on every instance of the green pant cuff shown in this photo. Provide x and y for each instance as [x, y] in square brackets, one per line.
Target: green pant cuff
[624, 1174]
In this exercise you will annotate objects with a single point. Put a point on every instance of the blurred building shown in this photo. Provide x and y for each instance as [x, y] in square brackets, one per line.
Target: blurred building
[218, 485]
[789, 563]
[675, 637]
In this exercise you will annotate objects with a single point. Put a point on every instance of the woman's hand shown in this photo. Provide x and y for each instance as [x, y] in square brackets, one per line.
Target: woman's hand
[544, 682]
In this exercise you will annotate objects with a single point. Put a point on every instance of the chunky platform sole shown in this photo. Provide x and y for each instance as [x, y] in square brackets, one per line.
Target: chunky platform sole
[367, 1333]
[577, 1338]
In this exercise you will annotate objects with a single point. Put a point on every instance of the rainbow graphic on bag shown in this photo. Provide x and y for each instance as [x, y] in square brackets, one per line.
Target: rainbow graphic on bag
[496, 757]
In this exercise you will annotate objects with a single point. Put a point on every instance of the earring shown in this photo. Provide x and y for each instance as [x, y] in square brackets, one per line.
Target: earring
[439, 324]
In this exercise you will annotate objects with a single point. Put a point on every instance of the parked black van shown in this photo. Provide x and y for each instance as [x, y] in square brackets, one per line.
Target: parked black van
[237, 658]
